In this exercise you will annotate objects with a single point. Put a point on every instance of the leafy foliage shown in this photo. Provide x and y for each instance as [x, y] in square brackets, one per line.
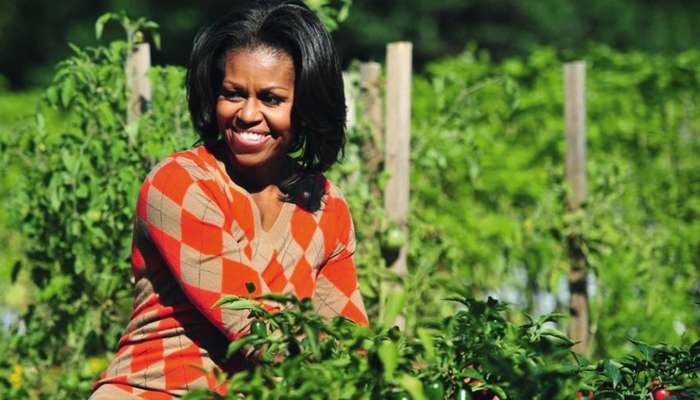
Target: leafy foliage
[331, 12]
[488, 183]
[474, 352]
[74, 207]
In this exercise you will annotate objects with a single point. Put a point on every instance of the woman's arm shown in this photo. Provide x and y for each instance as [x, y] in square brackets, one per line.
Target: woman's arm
[183, 212]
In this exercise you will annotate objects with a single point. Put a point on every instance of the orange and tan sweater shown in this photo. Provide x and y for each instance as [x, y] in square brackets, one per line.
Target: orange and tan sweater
[198, 237]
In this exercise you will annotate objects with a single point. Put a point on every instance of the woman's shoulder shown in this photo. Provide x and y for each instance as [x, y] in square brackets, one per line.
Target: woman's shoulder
[332, 191]
[336, 217]
[193, 171]
[195, 164]
[334, 200]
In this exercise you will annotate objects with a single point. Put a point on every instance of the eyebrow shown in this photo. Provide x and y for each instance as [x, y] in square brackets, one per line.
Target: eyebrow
[264, 89]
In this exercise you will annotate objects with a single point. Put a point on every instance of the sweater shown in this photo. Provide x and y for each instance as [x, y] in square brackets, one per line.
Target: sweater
[198, 237]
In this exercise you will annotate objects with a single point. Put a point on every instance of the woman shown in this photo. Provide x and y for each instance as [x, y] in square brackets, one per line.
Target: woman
[249, 205]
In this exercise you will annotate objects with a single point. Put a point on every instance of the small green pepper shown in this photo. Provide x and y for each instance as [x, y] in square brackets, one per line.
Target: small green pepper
[258, 328]
[464, 394]
[435, 391]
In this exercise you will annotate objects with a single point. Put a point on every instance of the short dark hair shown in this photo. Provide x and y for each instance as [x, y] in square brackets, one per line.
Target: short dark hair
[318, 112]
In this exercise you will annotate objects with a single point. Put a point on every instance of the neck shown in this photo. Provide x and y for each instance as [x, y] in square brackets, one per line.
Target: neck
[253, 179]
[260, 178]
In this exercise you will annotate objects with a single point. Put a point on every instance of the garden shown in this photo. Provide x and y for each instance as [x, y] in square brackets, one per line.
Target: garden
[485, 301]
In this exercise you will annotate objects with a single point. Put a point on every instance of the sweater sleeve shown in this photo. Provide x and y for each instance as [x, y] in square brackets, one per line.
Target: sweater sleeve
[337, 292]
[184, 213]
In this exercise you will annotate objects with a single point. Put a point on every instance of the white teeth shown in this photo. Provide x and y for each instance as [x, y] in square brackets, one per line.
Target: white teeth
[251, 136]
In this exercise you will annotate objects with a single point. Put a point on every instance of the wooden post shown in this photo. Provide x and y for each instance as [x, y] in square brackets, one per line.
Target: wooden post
[350, 117]
[397, 147]
[371, 105]
[575, 116]
[137, 83]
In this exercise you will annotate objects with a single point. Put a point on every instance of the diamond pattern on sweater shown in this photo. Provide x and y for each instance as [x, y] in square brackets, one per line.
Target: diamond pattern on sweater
[274, 275]
[165, 211]
[194, 242]
[302, 279]
[201, 270]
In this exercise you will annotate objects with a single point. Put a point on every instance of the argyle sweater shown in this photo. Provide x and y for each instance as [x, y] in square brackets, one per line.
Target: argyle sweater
[198, 237]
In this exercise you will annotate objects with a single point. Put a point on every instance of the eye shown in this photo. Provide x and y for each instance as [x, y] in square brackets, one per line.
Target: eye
[232, 95]
[271, 99]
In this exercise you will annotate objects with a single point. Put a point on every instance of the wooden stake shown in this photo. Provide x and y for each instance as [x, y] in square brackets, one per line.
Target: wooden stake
[397, 147]
[137, 83]
[575, 117]
[371, 106]
[349, 101]
[575, 114]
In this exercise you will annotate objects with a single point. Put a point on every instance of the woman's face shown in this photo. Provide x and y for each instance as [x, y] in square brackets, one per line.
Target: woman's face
[254, 108]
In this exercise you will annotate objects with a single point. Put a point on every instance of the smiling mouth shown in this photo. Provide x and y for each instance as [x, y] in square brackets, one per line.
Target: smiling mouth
[252, 137]
[249, 140]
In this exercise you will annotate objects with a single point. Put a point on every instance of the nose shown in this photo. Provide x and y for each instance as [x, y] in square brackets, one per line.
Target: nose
[250, 114]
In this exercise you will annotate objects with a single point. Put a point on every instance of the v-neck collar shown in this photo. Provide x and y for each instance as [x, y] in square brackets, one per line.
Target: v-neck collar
[277, 228]
[284, 217]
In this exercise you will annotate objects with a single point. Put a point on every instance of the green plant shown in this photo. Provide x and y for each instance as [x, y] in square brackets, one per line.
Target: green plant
[488, 209]
[474, 352]
[74, 206]
[331, 12]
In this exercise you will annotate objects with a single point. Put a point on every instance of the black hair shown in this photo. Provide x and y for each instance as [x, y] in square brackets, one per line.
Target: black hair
[318, 112]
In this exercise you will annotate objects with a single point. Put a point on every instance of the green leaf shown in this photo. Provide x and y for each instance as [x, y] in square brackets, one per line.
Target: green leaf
[497, 390]
[224, 300]
[101, 21]
[306, 304]
[52, 95]
[388, 353]
[426, 339]
[236, 345]
[69, 160]
[150, 25]
[557, 334]
[473, 374]
[241, 304]
[613, 372]
[344, 11]
[67, 91]
[413, 386]
[55, 200]
[156, 39]
[394, 305]
[647, 351]
[278, 298]
[82, 192]
[312, 338]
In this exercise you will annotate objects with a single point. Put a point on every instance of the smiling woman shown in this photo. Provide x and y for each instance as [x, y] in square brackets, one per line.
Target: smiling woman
[254, 110]
[249, 205]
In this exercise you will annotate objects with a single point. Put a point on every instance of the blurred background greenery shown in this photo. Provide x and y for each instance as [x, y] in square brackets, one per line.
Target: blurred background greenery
[35, 33]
